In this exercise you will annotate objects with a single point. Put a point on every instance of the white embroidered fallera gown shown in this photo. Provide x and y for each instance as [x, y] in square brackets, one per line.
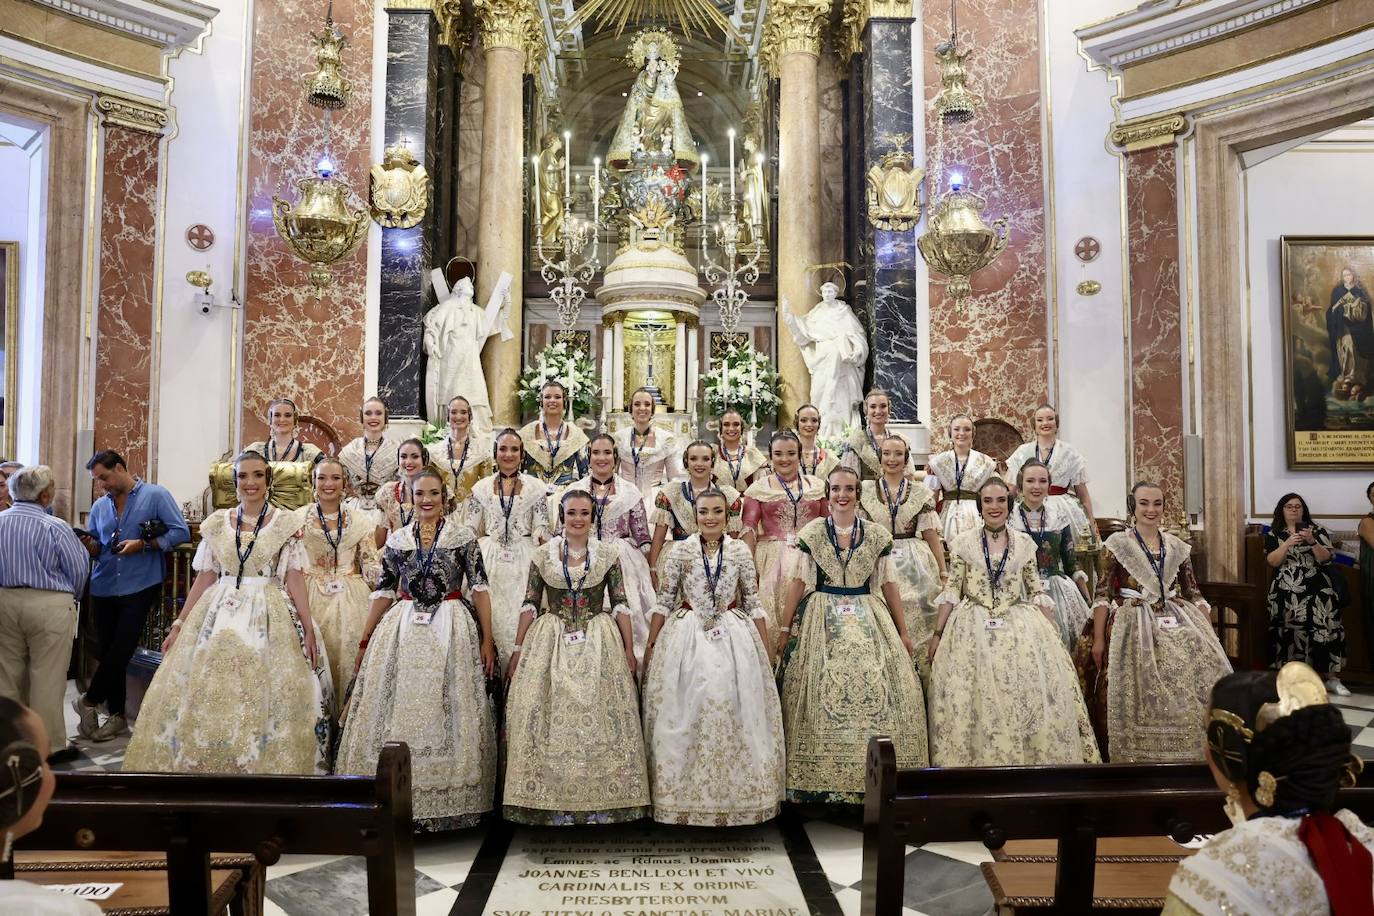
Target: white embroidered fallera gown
[236, 693]
[913, 564]
[957, 482]
[508, 535]
[710, 696]
[1068, 469]
[648, 466]
[339, 594]
[370, 468]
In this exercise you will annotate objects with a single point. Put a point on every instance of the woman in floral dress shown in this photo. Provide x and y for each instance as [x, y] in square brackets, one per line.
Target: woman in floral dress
[284, 442]
[1304, 606]
[618, 518]
[370, 461]
[509, 512]
[1054, 551]
[846, 667]
[906, 509]
[862, 451]
[776, 507]
[815, 461]
[1068, 474]
[555, 450]
[956, 475]
[575, 743]
[649, 455]
[344, 565]
[709, 693]
[422, 664]
[394, 503]
[737, 463]
[463, 455]
[244, 682]
[1003, 690]
[675, 504]
[1149, 656]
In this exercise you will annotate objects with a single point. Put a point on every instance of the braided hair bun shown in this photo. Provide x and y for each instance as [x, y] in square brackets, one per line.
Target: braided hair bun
[21, 765]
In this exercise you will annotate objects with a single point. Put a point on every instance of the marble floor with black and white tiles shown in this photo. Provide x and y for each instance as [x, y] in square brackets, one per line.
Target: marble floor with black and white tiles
[942, 879]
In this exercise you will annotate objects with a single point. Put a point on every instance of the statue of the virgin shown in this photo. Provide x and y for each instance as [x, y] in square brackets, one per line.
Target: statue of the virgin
[653, 121]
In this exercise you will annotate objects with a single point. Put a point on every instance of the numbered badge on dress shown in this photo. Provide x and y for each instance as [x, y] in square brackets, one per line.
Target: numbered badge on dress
[506, 555]
[333, 586]
[792, 539]
[575, 637]
[847, 610]
[231, 602]
[421, 618]
[716, 632]
[1168, 623]
[993, 623]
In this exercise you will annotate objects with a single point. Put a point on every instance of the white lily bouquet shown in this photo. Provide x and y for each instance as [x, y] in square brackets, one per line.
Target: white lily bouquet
[745, 380]
[560, 362]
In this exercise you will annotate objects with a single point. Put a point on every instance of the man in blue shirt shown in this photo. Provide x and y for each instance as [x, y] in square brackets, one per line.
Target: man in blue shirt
[127, 542]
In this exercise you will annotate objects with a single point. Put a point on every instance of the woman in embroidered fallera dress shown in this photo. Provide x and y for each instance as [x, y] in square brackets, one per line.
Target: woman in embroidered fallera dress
[343, 568]
[649, 455]
[737, 464]
[906, 509]
[370, 461]
[283, 442]
[618, 518]
[709, 693]
[861, 451]
[244, 682]
[956, 476]
[1304, 605]
[509, 513]
[846, 667]
[394, 503]
[422, 665]
[1054, 551]
[464, 456]
[675, 504]
[815, 461]
[574, 740]
[1280, 751]
[1149, 652]
[1068, 474]
[776, 507]
[555, 450]
[1003, 691]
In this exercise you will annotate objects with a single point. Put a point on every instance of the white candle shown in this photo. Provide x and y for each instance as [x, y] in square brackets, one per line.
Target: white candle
[596, 193]
[534, 185]
[753, 389]
[732, 165]
[704, 159]
[567, 163]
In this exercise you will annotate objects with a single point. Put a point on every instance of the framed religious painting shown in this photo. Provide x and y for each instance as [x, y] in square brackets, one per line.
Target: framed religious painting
[1328, 336]
[9, 338]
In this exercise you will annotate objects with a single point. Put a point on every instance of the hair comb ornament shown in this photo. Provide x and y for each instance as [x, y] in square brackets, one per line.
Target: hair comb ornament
[1298, 687]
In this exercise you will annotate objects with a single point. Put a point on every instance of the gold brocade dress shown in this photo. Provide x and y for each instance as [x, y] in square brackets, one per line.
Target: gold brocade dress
[574, 742]
[463, 464]
[236, 693]
[339, 583]
[845, 674]
[736, 471]
[776, 518]
[369, 468]
[675, 509]
[557, 465]
[1161, 656]
[709, 695]
[421, 681]
[913, 564]
[1002, 688]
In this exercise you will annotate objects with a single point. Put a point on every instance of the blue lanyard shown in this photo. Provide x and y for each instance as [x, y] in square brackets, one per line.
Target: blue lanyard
[959, 471]
[599, 503]
[401, 506]
[337, 539]
[506, 508]
[894, 507]
[462, 462]
[794, 500]
[736, 466]
[1156, 565]
[242, 554]
[286, 453]
[713, 578]
[368, 458]
[815, 465]
[995, 575]
[575, 591]
[1025, 520]
[856, 537]
[553, 446]
[635, 452]
[427, 558]
[1049, 456]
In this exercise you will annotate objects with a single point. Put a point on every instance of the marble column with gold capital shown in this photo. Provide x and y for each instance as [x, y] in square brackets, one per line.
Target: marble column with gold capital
[508, 28]
[792, 47]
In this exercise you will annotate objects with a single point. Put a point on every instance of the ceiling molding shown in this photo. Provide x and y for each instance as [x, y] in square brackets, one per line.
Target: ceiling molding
[169, 24]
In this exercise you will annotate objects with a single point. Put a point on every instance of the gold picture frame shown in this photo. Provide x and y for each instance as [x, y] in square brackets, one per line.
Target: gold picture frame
[1328, 351]
[10, 266]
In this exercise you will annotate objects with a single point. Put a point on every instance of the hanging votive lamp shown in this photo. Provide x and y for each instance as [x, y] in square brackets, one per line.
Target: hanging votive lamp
[326, 88]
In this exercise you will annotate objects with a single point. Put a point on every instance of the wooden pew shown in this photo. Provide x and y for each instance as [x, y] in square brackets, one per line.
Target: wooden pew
[1074, 804]
[191, 816]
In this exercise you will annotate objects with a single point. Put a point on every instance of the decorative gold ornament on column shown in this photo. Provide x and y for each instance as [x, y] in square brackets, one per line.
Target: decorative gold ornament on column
[506, 23]
[320, 228]
[326, 88]
[894, 193]
[792, 26]
[854, 16]
[399, 189]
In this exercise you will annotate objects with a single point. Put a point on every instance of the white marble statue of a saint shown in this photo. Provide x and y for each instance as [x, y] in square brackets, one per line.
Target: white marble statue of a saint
[455, 331]
[835, 348]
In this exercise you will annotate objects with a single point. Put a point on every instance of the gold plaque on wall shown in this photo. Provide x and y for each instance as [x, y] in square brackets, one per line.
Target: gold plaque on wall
[894, 193]
[400, 189]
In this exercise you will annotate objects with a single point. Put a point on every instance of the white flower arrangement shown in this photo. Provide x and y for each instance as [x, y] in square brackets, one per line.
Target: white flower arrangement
[750, 385]
[560, 363]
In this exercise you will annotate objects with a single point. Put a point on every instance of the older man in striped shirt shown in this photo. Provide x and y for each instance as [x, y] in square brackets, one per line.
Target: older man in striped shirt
[43, 569]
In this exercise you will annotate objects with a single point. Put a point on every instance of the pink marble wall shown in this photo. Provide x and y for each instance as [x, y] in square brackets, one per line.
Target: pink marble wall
[1156, 315]
[991, 358]
[124, 312]
[295, 345]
